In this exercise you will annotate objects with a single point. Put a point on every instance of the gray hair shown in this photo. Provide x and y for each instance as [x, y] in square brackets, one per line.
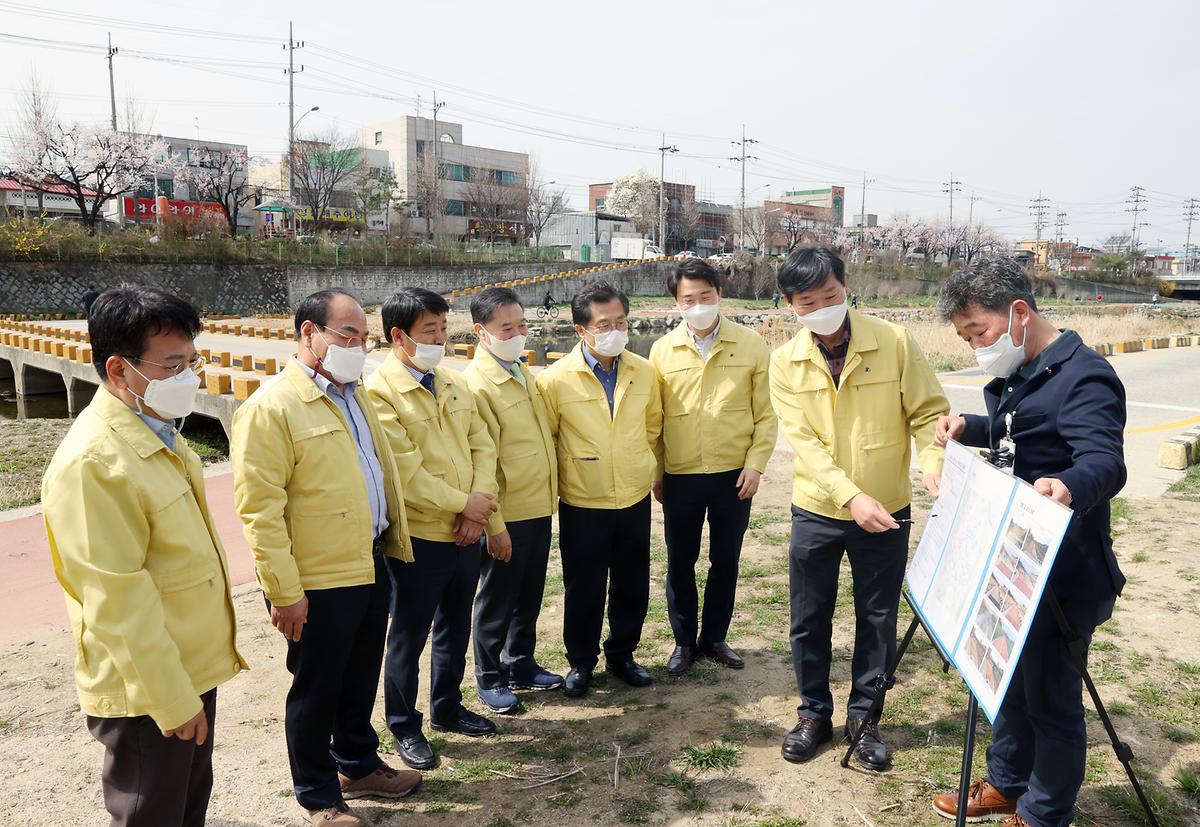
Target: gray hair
[991, 284]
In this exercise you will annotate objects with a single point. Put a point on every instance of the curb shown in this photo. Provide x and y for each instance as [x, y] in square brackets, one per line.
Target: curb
[1181, 452]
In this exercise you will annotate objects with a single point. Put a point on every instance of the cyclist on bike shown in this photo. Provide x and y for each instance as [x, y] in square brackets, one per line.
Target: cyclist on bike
[548, 302]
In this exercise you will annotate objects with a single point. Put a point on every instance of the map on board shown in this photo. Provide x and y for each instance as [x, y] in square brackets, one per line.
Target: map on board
[980, 568]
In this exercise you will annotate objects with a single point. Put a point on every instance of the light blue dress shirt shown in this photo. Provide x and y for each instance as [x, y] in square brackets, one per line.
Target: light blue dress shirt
[608, 380]
[368, 460]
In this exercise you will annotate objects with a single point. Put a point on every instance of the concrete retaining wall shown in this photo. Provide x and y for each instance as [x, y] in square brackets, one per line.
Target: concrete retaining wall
[36, 288]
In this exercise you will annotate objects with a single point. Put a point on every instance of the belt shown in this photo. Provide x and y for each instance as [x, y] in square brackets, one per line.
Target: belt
[377, 546]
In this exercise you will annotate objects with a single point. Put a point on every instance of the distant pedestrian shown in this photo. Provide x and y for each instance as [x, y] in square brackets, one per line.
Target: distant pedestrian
[89, 298]
[775, 300]
[854, 300]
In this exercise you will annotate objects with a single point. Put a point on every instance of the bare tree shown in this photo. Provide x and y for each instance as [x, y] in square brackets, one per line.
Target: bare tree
[687, 224]
[424, 192]
[542, 202]
[749, 225]
[321, 166]
[495, 205]
[94, 165]
[374, 189]
[220, 176]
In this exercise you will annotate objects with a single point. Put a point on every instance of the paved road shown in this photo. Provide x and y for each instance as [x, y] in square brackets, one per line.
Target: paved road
[1162, 388]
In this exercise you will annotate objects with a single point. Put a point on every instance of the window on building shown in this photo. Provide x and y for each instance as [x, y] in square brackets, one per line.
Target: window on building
[378, 138]
[454, 207]
[420, 148]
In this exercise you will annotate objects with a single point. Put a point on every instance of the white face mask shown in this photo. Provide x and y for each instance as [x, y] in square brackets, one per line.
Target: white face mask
[508, 350]
[826, 321]
[427, 357]
[701, 316]
[1002, 357]
[345, 364]
[610, 344]
[173, 398]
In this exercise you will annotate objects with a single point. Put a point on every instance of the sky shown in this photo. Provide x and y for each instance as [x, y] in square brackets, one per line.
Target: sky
[1074, 101]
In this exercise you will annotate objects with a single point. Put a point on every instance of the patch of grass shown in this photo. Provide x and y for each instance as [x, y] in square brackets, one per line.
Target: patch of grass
[1097, 767]
[1188, 488]
[1121, 509]
[637, 810]
[207, 438]
[1188, 779]
[781, 822]
[1177, 735]
[1139, 557]
[1187, 667]
[1103, 646]
[1122, 799]
[720, 756]
[26, 447]
[479, 769]
[768, 518]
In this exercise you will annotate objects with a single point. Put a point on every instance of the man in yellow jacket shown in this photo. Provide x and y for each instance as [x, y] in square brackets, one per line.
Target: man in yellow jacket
[448, 464]
[606, 416]
[322, 507]
[145, 576]
[513, 569]
[718, 435]
[851, 392]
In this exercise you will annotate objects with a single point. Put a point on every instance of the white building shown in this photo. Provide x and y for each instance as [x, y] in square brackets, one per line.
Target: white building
[584, 236]
[479, 192]
[17, 201]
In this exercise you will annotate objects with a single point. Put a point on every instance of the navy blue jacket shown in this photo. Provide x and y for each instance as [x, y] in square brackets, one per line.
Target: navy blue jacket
[1069, 423]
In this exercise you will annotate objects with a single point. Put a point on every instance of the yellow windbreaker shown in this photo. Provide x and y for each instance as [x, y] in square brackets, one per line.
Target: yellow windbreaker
[857, 437]
[146, 579]
[717, 412]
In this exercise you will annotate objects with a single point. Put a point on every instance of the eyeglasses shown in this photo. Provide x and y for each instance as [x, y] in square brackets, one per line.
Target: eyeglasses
[196, 365]
[367, 343]
[609, 327]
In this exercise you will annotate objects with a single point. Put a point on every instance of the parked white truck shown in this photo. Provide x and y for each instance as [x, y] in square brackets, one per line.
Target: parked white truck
[634, 248]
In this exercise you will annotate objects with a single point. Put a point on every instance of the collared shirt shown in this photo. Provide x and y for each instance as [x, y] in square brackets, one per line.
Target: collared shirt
[165, 431]
[704, 345]
[420, 376]
[511, 367]
[835, 357]
[368, 460]
[1031, 370]
[608, 379]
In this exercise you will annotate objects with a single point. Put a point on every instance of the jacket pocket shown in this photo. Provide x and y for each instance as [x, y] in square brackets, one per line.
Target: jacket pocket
[177, 581]
[587, 477]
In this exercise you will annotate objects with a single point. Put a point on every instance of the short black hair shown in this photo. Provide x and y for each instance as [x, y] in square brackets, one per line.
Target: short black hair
[693, 268]
[123, 318]
[597, 292]
[315, 307]
[491, 300]
[809, 266]
[993, 284]
[406, 305]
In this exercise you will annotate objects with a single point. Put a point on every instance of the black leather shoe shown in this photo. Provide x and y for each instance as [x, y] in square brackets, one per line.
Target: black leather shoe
[722, 654]
[577, 682]
[417, 753]
[870, 751]
[681, 660]
[806, 736]
[468, 723]
[630, 672]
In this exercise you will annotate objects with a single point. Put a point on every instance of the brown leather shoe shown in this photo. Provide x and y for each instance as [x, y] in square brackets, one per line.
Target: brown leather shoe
[385, 782]
[339, 815]
[984, 803]
[1016, 821]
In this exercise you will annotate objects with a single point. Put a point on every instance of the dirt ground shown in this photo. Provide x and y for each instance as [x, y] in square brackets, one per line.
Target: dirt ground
[698, 750]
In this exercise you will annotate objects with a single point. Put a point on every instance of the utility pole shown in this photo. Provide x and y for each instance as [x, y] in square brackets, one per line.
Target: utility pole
[742, 157]
[862, 216]
[1135, 201]
[971, 209]
[1191, 211]
[662, 171]
[1039, 208]
[112, 84]
[290, 71]
[951, 187]
[436, 206]
[1060, 221]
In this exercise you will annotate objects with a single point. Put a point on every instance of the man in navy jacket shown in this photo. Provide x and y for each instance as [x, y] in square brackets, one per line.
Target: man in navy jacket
[1063, 407]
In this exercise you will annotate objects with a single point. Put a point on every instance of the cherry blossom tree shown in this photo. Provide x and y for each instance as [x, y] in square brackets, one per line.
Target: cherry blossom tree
[219, 176]
[80, 157]
[635, 196]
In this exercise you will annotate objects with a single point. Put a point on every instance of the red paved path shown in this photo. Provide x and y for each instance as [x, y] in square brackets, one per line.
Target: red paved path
[30, 597]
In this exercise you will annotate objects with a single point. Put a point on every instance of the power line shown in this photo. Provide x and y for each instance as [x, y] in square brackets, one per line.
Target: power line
[743, 158]
[1135, 201]
[951, 187]
[1191, 211]
[1039, 208]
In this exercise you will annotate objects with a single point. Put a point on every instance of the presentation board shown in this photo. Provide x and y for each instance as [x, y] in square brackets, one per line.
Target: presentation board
[980, 568]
